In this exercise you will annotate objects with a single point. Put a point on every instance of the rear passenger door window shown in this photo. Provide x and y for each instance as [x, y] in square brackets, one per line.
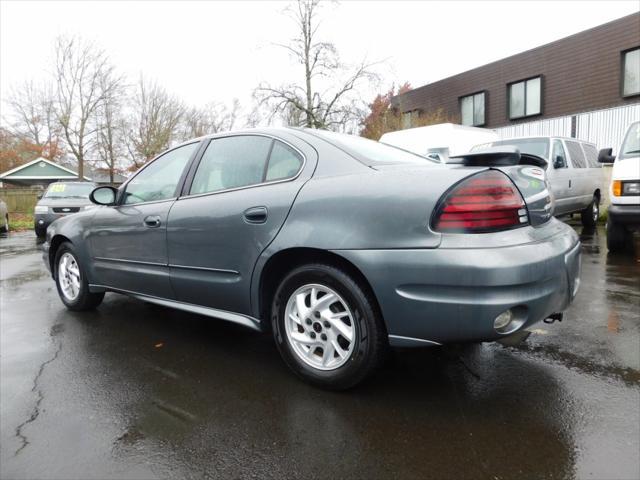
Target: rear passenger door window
[231, 162]
[242, 161]
[575, 152]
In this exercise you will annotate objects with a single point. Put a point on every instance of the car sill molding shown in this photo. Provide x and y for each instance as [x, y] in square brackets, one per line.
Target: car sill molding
[239, 318]
[400, 341]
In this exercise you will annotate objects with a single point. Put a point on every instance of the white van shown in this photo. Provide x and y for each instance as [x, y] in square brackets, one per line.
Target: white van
[624, 190]
[573, 173]
[439, 142]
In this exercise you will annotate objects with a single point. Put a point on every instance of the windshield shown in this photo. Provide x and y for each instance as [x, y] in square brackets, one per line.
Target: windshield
[631, 145]
[69, 190]
[371, 152]
[532, 146]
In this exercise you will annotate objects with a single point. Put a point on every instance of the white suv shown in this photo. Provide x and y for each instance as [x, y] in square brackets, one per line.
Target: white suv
[624, 212]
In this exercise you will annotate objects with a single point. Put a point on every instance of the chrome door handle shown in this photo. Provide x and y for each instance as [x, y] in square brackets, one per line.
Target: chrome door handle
[152, 221]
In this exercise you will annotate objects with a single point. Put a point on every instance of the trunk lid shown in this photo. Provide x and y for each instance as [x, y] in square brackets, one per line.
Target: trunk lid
[527, 172]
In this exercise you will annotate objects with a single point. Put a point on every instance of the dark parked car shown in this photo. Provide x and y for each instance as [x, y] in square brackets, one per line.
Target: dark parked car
[60, 199]
[339, 245]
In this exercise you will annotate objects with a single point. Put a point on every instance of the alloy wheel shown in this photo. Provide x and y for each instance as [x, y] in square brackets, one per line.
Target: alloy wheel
[320, 327]
[69, 276]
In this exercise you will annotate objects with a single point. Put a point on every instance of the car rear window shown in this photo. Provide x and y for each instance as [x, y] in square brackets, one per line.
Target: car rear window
[370, 152]
[532, 146]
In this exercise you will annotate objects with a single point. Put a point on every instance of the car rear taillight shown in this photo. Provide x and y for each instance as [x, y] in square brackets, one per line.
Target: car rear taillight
[486, 202]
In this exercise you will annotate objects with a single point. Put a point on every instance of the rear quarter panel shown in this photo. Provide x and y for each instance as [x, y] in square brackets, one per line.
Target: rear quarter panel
[374, 209]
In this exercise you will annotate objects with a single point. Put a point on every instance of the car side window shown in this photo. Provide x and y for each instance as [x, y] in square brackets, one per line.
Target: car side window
[284, 162]
[575, 152]
[559, 158]
[591, 155]
[159, 180]
[231, 162]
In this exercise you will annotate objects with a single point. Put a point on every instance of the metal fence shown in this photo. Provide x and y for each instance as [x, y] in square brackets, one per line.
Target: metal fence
[560, 127]
[20, 200]
[605, 128]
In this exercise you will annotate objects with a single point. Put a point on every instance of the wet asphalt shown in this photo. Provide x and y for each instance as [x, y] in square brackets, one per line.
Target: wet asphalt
[137, 391]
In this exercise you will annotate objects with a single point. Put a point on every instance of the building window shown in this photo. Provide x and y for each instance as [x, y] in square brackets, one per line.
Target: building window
[631, 72]
[525, 98]
[472, 110]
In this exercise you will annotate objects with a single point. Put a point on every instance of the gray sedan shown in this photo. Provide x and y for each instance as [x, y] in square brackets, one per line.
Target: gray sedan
[340, 246]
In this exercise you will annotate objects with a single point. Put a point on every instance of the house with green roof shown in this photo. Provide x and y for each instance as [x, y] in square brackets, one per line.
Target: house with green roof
[38, 172]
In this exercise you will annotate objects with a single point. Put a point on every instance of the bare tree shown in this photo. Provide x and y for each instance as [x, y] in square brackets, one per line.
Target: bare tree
[84, 77]
[110, 129]
[33, 117]
[327, 95]
[212, 118]
[155, 122]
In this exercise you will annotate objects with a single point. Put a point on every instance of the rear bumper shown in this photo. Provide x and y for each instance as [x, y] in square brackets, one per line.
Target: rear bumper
[442, 295]
[625, 214]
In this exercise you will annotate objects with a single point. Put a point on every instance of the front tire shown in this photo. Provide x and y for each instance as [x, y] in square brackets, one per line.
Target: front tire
[590, 215]
[5, 227]
[71, 281]
[617, 236]
[327, 327]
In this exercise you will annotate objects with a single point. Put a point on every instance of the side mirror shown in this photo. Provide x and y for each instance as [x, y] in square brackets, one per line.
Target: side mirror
[558, 162]
[39, 195]
[104, 195]
[604, 156]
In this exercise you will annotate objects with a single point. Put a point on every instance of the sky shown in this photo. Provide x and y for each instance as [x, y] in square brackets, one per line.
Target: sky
[216, 51]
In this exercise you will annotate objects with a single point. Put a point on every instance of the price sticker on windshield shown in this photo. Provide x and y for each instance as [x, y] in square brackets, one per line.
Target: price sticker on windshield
[58, 188]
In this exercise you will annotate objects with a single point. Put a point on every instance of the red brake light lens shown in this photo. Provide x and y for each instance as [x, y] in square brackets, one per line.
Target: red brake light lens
[486, 202]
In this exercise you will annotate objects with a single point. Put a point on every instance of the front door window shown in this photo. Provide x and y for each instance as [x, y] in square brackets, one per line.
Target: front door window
[159, 180]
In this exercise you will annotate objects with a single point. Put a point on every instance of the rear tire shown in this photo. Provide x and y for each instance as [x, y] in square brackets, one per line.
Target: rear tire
[71, 281]
[5, 227]
[347, 348]
[40, 232]
[590, 215]
[617, 236]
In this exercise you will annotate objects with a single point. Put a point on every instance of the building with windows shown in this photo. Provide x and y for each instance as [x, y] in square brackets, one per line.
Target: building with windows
[585, 86]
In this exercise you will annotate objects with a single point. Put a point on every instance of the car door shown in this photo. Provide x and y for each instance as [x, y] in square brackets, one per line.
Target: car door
[580, 186]
[594, 175]
[128, 241]
[239, 196]
[559, 176]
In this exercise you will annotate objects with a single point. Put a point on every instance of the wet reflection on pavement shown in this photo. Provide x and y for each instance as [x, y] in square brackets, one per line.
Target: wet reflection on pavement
[138, 391]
